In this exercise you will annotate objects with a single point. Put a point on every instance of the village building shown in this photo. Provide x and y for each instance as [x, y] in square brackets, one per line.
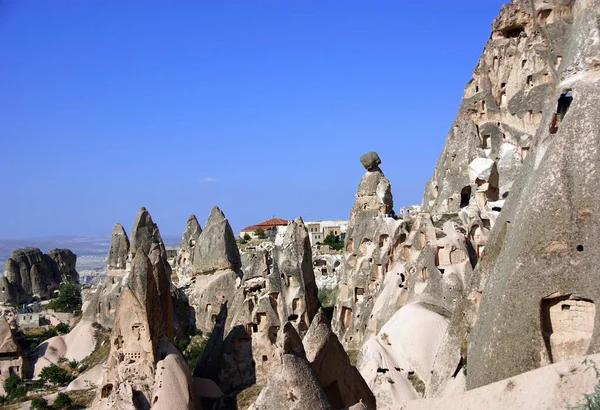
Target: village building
[270, 227]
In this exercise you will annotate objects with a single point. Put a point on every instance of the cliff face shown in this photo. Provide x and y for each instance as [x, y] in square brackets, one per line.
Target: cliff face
[30, 274]
[519, 167]
[540, 284]
[503, 103]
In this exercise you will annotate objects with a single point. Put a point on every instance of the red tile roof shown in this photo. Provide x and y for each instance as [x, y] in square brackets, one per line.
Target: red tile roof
[269, 223]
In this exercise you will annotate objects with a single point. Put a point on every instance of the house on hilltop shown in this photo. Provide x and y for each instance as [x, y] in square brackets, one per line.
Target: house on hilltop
[269, 226]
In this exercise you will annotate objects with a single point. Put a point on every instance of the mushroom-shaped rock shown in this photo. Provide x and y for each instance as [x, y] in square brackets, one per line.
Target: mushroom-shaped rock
[216, 248]
[294, 386]
[341, 381]
[118, 250]
[370, 160]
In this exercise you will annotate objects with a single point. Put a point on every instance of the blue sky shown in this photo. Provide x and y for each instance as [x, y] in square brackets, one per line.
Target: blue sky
[259, 107]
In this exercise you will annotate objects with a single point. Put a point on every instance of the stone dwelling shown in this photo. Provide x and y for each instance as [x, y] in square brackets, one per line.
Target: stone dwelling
[270, 226]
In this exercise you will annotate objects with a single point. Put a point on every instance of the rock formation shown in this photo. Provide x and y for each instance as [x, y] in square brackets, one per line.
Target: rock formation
[544, 252]
[29, 274]
[11, 359]
[327, 270]
[215, 249]
[144, 235]
[105, 300]
[294, 386]
[519, 169]
[118, 251]
[185, 256]
[342, 383]
[142, 360]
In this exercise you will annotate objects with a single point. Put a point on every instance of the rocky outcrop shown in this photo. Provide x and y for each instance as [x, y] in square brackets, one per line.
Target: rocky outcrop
[294, 386]
[327, 270]
[105, 299]
[543, 250]
[118, 251]
[503, 103]
[29, 274]
[185, 256]
[215, 249]
[11, 358]
[145, 235]
[373, 245]
[142, 359]
[342, 383]
[404, 276]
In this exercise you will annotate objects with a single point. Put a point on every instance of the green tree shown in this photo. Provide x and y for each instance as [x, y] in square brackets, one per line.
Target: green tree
[69, 298]
[247, 236]
[54, 374]
[260, 232]
[62, 401]
[62, 328]
[333, 242]
[39, 403]
[14, 387]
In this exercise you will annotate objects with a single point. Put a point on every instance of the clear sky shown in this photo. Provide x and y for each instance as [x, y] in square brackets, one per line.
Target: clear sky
[260, 107]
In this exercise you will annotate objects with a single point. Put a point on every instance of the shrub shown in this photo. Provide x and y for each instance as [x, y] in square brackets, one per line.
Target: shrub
[193, 352]
[73, 364]
[54, 374]
[14, 387]
[591, 401]
[62, 328]
[39, 403]
[333, 242]
[69, 298]
[259, 233]
[62, 400]
[247, 237]
[327, 297]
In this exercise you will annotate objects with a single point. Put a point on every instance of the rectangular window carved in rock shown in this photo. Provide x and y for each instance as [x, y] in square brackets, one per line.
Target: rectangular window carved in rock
[567, 324]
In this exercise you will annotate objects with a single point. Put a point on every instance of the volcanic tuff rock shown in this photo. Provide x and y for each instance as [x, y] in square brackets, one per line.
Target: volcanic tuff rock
[104, 302]
[144, 235]
[11, 359]
[502, 105]
[185, 256]
[29, 273]
[277, 284]
[294, 386]
[215, 247]
[343, 384]
[118, 251]
[545, 252]
[327, 270]
[142, 357]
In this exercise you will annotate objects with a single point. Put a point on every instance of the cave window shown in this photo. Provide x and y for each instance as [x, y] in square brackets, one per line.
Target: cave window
[192, 243]
[465, 196]
[425, 274]
[564, 102]
[524, 152]
[487, 141]
[530, 80]
[513, 32]
[359, 294]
